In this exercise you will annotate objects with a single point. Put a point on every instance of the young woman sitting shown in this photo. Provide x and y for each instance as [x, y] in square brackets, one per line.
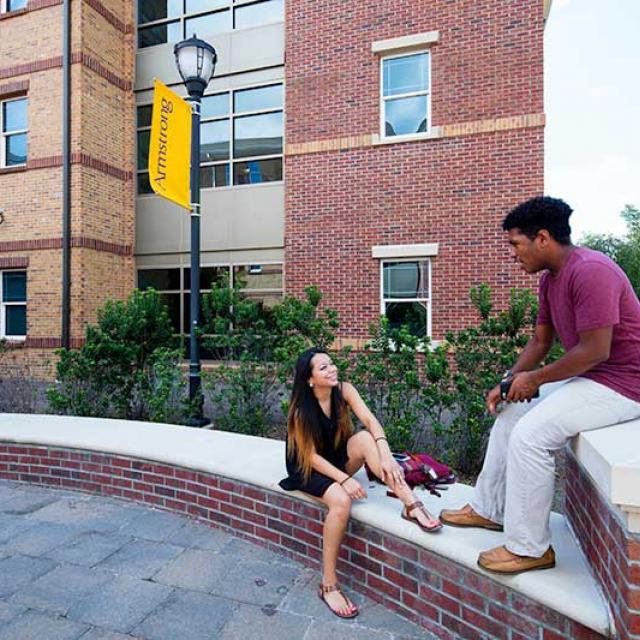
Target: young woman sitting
[323, 453]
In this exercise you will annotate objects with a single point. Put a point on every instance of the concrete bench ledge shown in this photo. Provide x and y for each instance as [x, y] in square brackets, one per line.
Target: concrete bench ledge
[566, 601]
[611, 457]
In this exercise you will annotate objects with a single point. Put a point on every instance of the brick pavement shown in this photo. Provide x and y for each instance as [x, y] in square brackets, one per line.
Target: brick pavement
[75, 566]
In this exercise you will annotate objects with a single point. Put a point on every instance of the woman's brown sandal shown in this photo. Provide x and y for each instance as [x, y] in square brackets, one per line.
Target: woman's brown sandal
[324, 589]
[418, 505]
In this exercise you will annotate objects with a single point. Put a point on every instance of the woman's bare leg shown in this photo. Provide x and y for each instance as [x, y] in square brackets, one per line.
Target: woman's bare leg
[335, 525]
[362, 448]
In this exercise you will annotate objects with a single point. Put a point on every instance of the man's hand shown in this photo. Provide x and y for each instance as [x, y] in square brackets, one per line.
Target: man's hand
[493, 398]
[524, 386]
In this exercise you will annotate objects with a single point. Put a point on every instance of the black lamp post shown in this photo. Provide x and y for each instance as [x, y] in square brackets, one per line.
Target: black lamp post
[196, 61]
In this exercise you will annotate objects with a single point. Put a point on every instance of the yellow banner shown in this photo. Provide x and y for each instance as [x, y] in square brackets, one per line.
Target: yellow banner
[170, 146]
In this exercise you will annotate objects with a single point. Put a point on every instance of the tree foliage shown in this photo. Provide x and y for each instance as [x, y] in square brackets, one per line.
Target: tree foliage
[625, 250]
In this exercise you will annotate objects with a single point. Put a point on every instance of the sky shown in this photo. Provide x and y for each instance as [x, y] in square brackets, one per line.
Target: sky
[592, 103]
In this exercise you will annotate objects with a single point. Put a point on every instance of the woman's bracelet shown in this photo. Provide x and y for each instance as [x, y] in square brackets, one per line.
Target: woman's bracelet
[347, 478]
[380, 438]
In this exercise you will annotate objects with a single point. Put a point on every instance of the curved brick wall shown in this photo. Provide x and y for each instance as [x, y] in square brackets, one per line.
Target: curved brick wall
[444, 597]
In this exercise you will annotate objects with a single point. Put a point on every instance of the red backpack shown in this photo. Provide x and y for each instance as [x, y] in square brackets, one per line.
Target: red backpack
[421, 470]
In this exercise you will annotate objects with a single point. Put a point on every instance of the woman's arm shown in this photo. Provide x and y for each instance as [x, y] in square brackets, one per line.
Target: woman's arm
[391, 472]
[353, 399]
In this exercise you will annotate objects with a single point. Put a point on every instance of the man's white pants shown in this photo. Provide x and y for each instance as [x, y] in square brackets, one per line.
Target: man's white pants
[515, 487]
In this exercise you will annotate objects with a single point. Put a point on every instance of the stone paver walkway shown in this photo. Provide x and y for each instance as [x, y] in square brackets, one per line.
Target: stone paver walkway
[75, 566]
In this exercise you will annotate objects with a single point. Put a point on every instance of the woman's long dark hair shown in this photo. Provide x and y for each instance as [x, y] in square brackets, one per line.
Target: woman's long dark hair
[304, 427]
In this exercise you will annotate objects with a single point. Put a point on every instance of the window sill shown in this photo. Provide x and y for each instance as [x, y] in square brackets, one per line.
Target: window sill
[13, 14]
[13, 342]
[434, 134]
[17, 169]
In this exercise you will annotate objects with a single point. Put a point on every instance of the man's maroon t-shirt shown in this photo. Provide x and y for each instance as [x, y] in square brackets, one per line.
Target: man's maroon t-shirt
[591, 292]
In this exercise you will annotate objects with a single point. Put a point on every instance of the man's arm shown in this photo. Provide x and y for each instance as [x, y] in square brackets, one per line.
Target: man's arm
[531, 356]
[537, 348]
[594, 347]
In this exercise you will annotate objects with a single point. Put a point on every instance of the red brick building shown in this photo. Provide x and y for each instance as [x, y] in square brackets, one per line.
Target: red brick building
[468, 76]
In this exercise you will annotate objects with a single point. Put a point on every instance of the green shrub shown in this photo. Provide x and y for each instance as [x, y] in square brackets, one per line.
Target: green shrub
[465, 367]
[386, 374]
[245, 397]
[127, 368]
[257, 348]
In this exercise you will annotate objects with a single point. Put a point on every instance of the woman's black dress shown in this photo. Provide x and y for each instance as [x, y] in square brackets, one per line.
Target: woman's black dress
[318, 483]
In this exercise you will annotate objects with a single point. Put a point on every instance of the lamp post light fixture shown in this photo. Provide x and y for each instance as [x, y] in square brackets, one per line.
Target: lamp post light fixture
[196, 61]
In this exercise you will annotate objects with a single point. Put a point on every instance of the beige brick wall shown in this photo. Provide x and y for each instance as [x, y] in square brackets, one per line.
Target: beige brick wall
[103, 133]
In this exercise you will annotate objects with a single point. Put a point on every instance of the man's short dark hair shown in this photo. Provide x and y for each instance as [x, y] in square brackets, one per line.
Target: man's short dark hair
[539, 213]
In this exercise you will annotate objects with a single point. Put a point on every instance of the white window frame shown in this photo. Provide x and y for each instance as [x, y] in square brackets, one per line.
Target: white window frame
[4, 4]
[5, 134]
[384, 301]
[412, 94]
[3, 305]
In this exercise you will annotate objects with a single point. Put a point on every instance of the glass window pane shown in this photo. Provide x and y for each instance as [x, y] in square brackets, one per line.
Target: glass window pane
[405, 75]
[16, 149]
[258, 135]
[172, 302]
[16, 320]
[405, 116]
[14, 115]
[152, 10]
[412, 314]
[215, 106]
[14, 5]
[209, 24]
[144, 115]
[259, 13]
[144, 186]
[198, 6]
[264, 300]
[406, 279]
[214, 176]
[159, 34]
[214, 141]
[14, 286]
[208, 275]
[256, 171]
[143, 149]
[159, 279]
[259, 276]
[259, 99]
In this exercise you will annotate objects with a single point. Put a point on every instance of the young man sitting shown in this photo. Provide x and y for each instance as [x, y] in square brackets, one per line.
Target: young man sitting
[587, 301]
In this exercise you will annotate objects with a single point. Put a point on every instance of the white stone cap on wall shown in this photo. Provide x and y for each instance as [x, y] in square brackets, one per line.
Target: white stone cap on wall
[611, 456]
[260, 461]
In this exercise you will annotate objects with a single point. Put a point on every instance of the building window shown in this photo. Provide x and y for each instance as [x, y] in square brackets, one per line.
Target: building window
[240, 138]
[13, 131]
[13, 304]
[259, 282]
[405, 95]
[406, 294]
[142, 147]
[162, 21]
[12, 5]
